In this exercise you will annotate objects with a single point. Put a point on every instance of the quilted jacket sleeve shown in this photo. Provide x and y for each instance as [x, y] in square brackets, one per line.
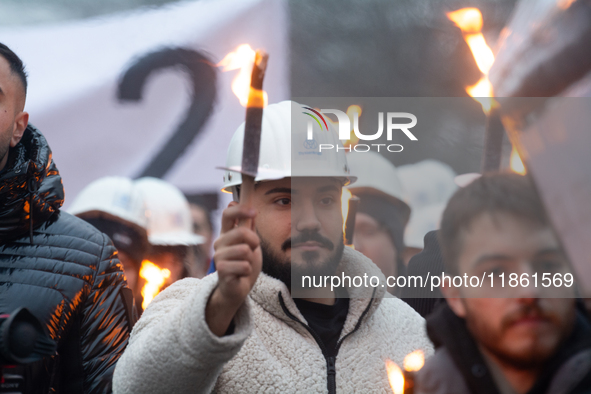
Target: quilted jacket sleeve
[172, 350]
[106, 322]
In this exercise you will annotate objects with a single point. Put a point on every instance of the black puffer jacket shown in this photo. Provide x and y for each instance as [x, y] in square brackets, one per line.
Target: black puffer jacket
[64, 271]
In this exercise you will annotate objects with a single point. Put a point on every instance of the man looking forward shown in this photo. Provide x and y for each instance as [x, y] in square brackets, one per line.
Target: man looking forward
[240, 329]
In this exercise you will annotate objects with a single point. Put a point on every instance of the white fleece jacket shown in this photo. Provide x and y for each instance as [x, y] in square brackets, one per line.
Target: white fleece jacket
[172, 350]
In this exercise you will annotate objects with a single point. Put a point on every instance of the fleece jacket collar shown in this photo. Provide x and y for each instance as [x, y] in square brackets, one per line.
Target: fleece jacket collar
[267, 290]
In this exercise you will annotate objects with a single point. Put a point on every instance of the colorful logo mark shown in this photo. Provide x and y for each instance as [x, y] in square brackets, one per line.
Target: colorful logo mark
[315, 118]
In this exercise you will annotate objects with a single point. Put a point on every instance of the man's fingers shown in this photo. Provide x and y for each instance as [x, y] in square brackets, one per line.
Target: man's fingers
[235, 252]
[233, 214]
[236, 236]
[234, 268]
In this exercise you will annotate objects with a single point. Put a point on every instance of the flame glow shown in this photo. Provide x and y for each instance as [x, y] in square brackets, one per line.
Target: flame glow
[516, 163]
[395, 377]
[351, 111]
[155, 278]
[242, 58]
[469, 20]
[565, 4]
[414, 361]
[345, 197]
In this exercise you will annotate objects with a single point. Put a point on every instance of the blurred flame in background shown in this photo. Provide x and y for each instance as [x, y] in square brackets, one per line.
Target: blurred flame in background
[516, 163]
[155, 278]
[345, 197]
[414, 361]
[351, 111]
[242, 58]
[395, 377]
[469, 20]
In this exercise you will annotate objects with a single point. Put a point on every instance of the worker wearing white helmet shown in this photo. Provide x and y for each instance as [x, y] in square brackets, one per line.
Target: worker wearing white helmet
[243, 330]
[116, 207]
[170, 229]
[382, 213]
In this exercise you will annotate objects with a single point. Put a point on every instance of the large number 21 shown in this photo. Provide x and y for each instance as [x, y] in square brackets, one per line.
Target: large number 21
[203, 80]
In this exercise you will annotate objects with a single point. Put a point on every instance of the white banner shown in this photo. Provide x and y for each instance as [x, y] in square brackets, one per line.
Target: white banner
[140, 93]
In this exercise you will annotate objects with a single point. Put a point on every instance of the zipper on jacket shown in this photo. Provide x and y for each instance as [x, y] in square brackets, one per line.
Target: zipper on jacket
[331, 370]
[32, 187]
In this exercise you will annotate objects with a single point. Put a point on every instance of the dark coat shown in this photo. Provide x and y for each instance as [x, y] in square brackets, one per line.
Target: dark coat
[458, 366]
[64, 271]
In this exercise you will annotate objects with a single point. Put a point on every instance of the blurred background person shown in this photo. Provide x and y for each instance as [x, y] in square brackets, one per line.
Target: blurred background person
[516, 338]
[116, 207]
[422, 221]
[203, 227]
[382, 214]
[170, 235]
[427, 186]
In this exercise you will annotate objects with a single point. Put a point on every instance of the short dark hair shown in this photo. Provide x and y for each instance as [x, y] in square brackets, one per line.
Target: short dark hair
[491, 193]
[16, 64]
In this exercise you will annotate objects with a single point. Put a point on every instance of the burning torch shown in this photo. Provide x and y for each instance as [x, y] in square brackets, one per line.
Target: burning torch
[403, 381]
[469, 20]
[252, 130]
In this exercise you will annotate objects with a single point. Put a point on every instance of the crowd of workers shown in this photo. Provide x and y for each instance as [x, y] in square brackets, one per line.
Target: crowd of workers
[247, 326]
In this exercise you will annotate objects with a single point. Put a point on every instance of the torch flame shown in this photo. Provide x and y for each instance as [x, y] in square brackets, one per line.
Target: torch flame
[414, 361]
[351, 111]
[155, 278]
[469, 20]
[242, 58]
[345, 197]
[395, 377]
[516, 163]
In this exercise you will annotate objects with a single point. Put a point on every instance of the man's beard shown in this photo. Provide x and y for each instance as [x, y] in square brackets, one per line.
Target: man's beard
[283, 270]
[533, 357]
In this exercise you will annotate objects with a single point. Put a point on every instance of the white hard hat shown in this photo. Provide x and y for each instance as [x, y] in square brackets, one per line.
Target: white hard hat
[377, 175]
[427, 182]
[285, 150]
[169, 215]
[114, 197]
[421, 222]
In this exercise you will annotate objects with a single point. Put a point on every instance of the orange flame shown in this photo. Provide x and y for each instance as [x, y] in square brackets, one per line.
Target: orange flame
[155, 278]
[351, 111]
[345, 197]
[469, 20]
[516, 163]
[395, 377]
[565, 4]
[242, 58]
[414, 361]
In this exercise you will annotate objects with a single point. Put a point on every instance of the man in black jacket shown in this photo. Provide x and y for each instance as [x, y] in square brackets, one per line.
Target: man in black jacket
[59, 267]
[519, 331]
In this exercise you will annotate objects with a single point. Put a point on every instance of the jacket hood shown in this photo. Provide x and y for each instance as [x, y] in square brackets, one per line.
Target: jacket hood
[31, 189]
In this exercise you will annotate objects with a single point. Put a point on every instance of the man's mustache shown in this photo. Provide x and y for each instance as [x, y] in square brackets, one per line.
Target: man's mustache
[528, 311]
[308, 236]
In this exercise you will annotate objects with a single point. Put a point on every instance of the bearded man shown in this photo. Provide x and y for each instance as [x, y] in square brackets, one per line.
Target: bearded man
[242, 330]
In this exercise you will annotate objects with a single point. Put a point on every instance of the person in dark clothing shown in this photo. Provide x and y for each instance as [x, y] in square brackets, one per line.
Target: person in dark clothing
[382, 214]
[117, 208]
[516, 338]
[426, 263]
[63, 270]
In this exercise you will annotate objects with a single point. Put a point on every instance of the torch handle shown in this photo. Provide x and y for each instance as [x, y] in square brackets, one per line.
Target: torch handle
[350, 221]
[246, 197]
[493, 142]
[252, 132]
